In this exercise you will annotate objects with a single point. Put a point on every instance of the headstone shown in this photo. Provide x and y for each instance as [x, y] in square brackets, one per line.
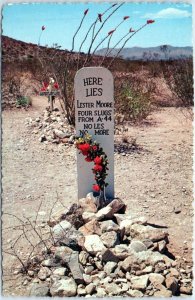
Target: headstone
[94, 114]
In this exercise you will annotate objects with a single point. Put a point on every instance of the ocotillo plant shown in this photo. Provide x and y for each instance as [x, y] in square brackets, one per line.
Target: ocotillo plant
[63, 67]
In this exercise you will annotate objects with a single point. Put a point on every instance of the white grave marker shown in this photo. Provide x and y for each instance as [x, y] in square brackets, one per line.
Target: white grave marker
[94, 114]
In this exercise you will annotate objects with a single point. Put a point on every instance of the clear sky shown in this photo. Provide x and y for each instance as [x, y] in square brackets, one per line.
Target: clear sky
[173, 23]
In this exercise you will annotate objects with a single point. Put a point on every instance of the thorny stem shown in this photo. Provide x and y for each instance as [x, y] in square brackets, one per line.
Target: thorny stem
[77, 31]
[124, 45]
[92, 26]
[103, 23]
[108, 46]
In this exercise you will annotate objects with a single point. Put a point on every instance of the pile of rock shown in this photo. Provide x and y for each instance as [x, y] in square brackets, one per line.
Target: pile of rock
[52, 127]
[105, 252]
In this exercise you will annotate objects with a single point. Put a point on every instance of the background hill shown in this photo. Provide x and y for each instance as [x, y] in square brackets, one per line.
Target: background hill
[163, 52]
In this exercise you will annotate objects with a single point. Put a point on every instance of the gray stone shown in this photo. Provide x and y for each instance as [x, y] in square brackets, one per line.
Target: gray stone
[137, 246]
[92, 227]
[139, 282]
[60, 271]
[60, 133]
[172, 284]
[90, 288]
[146, 270]
[156, 279]
[87, 278]
[61, 229]
[83, 257]
[108, 225]
[117, 205]
[31, 273]
[104, 213]
[162, 246]
[81, 290]
[187, 290]
[110, 239]
[63, 253]
[40, 290]
[49, 263]
[100, 292]
[88, 205]
[134, 293]
[89, 269]
[122, 251]
[76, 268]
[174, 272]
[124, 287]
[109, 267]
[44, 273]
[113, 289]
[122, 217]
[65, 287]
[65, 234]
[163, 293]
[108, 255]
[93, 244]
[142, 232]
[88, 216]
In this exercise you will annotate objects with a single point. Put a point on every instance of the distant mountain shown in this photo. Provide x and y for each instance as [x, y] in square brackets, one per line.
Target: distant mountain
[151, 53]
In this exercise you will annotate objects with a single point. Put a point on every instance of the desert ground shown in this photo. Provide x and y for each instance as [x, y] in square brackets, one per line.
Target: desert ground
[154, 182]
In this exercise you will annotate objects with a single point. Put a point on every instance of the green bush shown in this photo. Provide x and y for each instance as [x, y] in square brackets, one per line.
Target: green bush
[23, 101]
[134, 104]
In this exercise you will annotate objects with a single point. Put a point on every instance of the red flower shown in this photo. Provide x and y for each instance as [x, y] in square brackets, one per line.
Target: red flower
[150, 21]
[43, 27]
[84, 148]
[111, 32]
[100, 17]
[43, 89]
[96, 187]
[95, 148]
[56, 85]
[131, 30]
[86, 11]
[126, 17]
[98, 160]
[88, 159]
[45, 84]
[97, 168]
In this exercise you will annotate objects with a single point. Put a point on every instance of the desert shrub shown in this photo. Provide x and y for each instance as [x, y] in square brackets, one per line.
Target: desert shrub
[134, 105]
[23, 101]
[179, 77]
[134, 98]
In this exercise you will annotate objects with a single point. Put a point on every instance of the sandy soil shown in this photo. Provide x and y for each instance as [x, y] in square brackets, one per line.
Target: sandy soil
[156, 182]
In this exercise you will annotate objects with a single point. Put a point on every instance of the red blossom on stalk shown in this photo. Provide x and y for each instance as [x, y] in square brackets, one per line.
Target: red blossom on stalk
[126, 17]
[86, 11]
[98, 160]
[111, 32]
[131, 30]
[97, 168]
[43, 89]
[100, 17]
[43, 27]
[150, 21]
[96, 188]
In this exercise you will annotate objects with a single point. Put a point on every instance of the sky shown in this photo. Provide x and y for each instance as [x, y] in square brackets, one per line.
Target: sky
[172, 26]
